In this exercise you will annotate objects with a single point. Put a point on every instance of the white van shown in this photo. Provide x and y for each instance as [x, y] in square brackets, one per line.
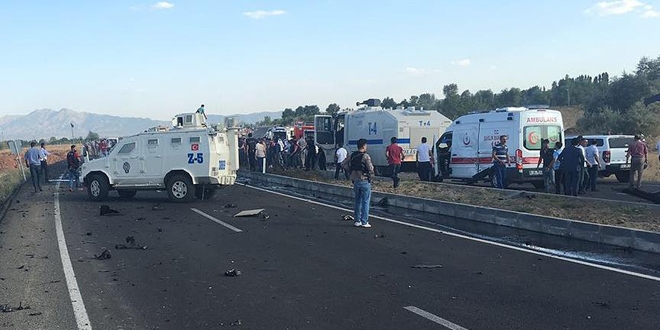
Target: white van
[465, 150]
[188, 160]
[612, 153]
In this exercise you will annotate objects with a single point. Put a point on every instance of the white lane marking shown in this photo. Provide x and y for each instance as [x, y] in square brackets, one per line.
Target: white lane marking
[216, 220]
[72, 284]
[434, 318]
[579, 262]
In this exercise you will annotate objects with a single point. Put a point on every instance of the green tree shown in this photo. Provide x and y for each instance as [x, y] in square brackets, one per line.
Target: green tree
[91, 136]
[288, 116]
[427, 101]
[332, 109]
[388, 103]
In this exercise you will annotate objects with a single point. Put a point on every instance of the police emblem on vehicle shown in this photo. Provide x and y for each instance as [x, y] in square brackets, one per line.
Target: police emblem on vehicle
[127, 167]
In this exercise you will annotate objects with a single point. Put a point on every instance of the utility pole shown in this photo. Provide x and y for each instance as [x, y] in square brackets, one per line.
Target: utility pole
[72, 136]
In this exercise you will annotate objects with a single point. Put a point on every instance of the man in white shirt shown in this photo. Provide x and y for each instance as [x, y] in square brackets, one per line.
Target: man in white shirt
[424, 161]
[340, 155]
[593, 164]
[584, 175]
[43, 156]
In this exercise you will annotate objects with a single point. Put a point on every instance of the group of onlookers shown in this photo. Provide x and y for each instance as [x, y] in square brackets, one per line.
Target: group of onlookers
[575, 167]
[36, 159]
[279, 153]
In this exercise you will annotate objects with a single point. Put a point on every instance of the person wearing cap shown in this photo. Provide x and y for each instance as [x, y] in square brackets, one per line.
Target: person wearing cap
[638, 154]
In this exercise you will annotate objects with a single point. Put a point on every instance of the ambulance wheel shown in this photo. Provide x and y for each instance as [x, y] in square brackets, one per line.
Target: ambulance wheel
[98, 187]
[180, 188]
[126, 194]
[208, 192]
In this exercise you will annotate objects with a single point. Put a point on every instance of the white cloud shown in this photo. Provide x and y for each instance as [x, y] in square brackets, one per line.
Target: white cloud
[461, 62]
[415, 71]
[163, 5]
[650, 13]
[259, 14]
[618, 7]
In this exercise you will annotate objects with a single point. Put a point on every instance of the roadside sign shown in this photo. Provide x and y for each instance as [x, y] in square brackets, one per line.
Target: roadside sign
[14, 146]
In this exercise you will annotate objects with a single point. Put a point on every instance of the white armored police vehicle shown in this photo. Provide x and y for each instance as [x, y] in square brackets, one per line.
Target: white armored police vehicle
[378, 126]
[188, 160]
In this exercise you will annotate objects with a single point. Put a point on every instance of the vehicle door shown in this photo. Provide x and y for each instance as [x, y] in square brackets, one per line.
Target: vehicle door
[152, 158]
[618, 147]
[127, 163]
[489, 136]
[464, 153]
[324, 135]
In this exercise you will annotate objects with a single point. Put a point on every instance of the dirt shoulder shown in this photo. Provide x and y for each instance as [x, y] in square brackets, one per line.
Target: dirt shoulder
[629, 215]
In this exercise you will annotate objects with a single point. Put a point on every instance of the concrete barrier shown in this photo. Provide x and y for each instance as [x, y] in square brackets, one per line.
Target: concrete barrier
[593, 232]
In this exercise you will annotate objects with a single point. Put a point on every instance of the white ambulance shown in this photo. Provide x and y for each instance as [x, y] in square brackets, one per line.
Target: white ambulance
[378, 126]
[465, 150]
[189, 159]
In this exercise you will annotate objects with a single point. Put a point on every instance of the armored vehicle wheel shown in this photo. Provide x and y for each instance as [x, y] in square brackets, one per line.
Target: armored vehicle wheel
[98, 187]
[180, 188]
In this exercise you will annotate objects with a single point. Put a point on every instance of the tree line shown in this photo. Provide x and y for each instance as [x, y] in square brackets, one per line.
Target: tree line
[610, 104]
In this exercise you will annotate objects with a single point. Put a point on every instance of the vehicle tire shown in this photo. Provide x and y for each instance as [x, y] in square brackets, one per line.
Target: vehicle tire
[180, 188]
[538, 185]
[126, 194]
[98, 187]
[208, 192]
[623, 176]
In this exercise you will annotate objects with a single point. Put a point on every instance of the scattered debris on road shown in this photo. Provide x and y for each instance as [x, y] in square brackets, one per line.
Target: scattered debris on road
[426, 266]
[104, 255]
[6, 309]
[381, 235]
[34, 314]
[132, 245]
[235, 323]
[107, 211]
[347, 217]
[230, 206]
[249, 213]
[233, 273]
[157, 207]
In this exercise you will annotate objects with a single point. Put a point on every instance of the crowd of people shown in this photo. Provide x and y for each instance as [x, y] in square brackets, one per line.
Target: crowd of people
[574, 169]
[99, 148]
[36, 159]
[259, 154]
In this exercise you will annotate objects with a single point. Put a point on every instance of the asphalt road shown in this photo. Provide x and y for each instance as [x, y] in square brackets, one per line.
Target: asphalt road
[302, 268]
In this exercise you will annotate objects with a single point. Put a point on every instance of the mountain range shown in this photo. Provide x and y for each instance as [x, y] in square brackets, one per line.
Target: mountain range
[46, 123]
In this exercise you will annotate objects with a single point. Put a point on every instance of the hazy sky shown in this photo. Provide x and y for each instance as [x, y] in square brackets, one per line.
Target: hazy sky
[154, 59]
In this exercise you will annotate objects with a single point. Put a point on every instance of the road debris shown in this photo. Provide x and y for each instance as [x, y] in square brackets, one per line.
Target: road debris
[107, 211]
[235, 323]
[381, 235]
[6, 309]
[34, 314]
[249, 213]
[230, 206]
[104, 255]
[347, 217]
[132, 245]
[20, 306]
[157, 207]
[264, 217]
[233, 273]
[21, 267]
[426, 266]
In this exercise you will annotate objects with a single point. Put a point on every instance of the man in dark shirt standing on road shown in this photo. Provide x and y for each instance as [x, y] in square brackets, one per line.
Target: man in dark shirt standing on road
[571, 162]
[547, 157]
[501, 161]
[362, 169]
